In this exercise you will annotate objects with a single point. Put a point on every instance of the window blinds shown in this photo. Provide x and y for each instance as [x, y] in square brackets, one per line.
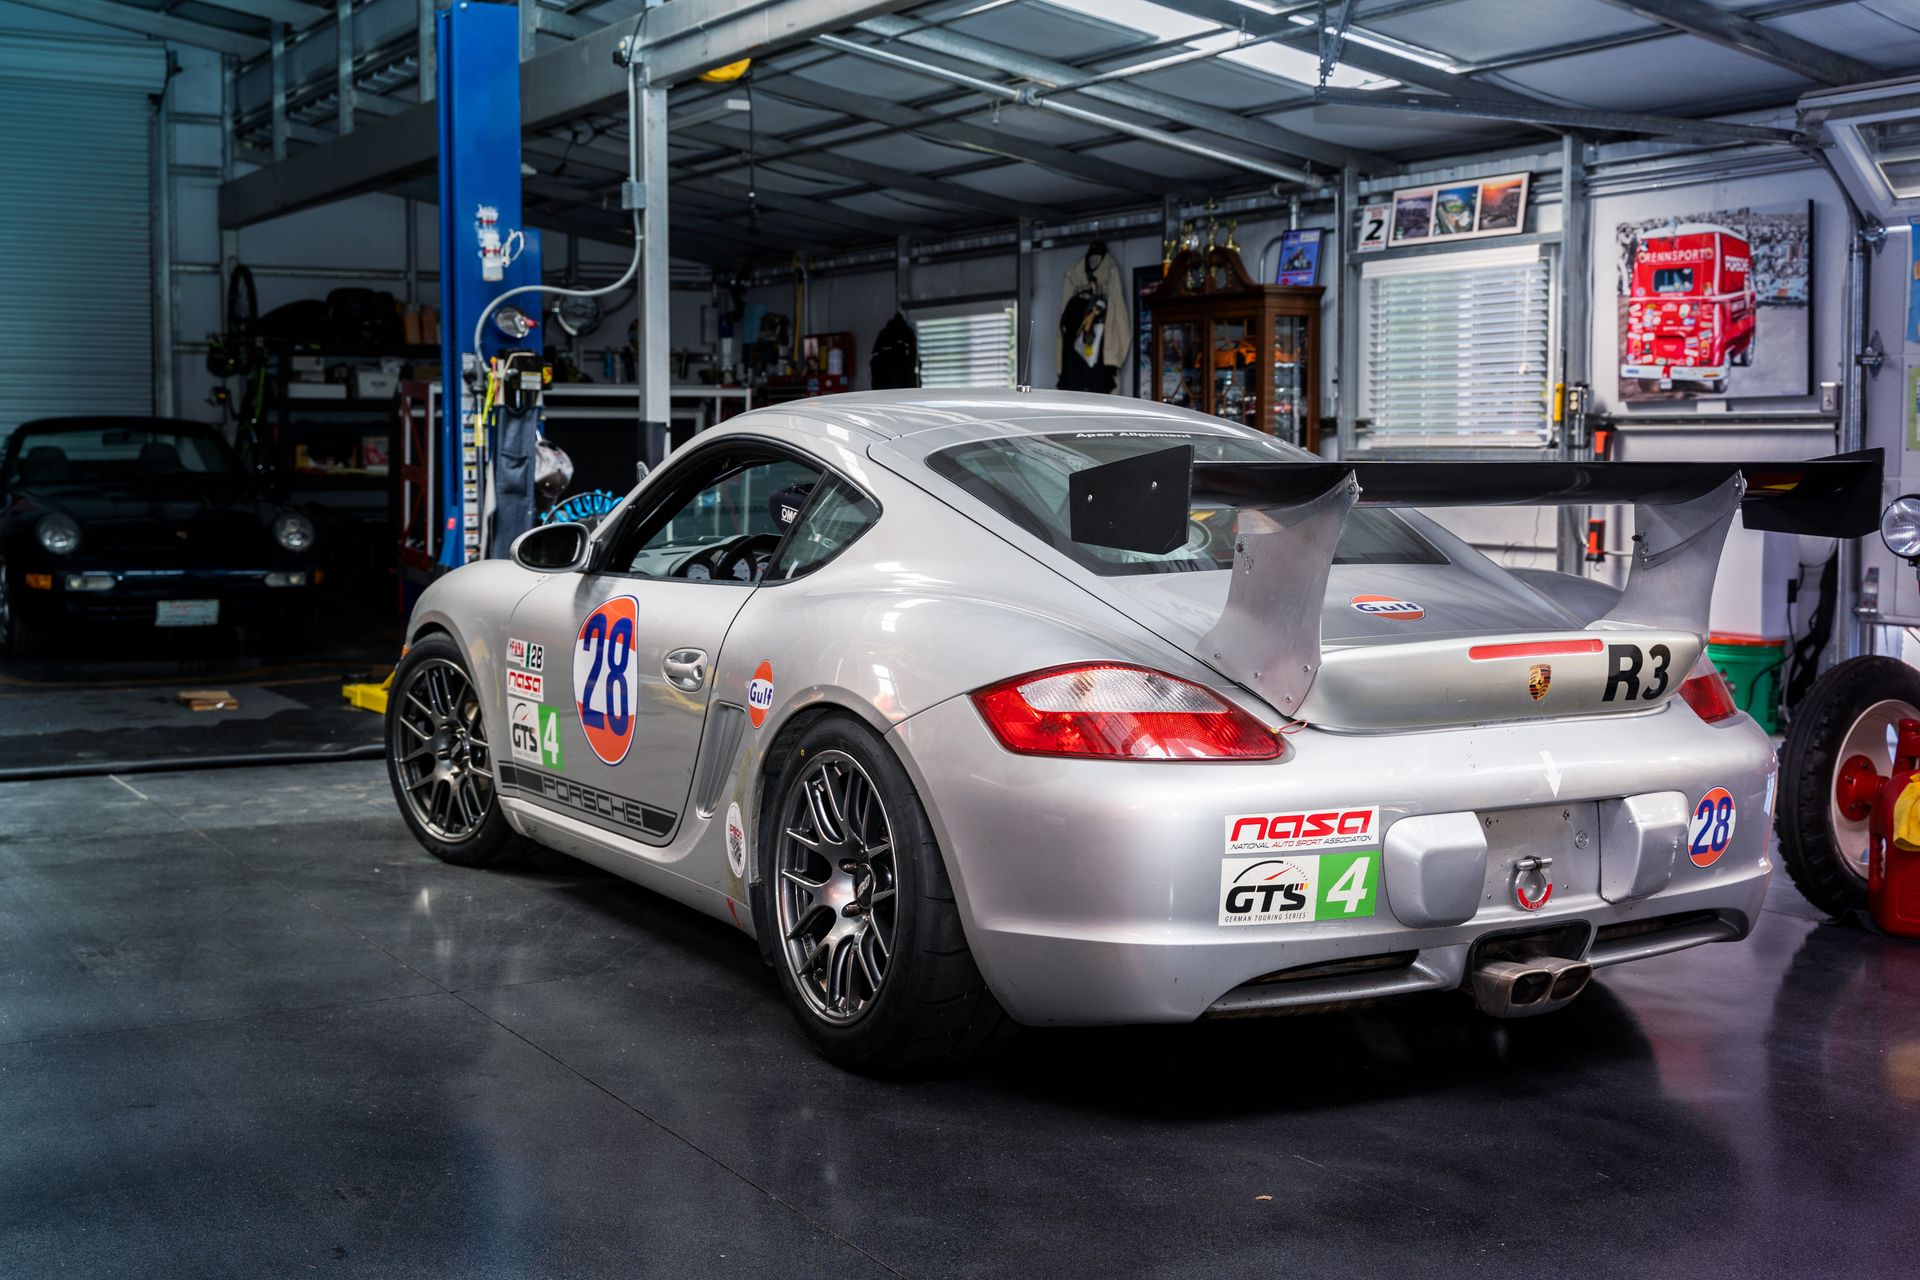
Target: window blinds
[1455, 349]
[971, 348]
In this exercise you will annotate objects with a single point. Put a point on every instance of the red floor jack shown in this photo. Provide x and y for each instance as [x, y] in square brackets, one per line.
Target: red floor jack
[1892, 808]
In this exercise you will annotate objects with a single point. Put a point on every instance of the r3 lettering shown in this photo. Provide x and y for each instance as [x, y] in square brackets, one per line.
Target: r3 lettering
[1624, 665]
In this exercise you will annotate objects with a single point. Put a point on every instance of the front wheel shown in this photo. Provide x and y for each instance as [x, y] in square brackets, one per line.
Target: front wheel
[440, 759]
[867, 936]
[1842, 728]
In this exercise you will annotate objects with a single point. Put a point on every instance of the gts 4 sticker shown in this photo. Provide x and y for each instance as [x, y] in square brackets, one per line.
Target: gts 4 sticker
[536, 734]
[1711, 831]
[1249, 833]
[523, 684]
[1298, 889]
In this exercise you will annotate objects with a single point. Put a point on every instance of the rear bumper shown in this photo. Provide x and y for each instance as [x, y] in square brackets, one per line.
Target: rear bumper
[1091, 891]
[133, 599]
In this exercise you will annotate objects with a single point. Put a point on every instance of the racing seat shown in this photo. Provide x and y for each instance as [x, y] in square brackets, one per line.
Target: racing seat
[45, 464]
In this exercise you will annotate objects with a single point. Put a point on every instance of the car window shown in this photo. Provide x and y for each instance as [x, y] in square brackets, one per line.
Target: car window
[1673, 280]
[723, 524]
[1024, 478]
[837, 515]
[115, 454]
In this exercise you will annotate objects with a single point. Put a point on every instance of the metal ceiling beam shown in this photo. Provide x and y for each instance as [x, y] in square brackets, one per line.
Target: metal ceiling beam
[1158, 137]
[1353, 53]
[878, 175]
[812, 208]
[969, 136]
[1730, 30]
[1164, 106]
[678, 41]
[295, 13]
[1542, 113]
[148, 22]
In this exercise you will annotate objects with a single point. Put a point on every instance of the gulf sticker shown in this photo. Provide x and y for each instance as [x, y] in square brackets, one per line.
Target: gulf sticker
[603, 678]
[525, 684]
[760, 694]
[1712, 828]
[1388, 607]
[736, 842]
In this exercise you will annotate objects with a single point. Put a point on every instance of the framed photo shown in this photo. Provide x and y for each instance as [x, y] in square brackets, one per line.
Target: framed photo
[1470, 210]
[1412, 215]
[1300, 257]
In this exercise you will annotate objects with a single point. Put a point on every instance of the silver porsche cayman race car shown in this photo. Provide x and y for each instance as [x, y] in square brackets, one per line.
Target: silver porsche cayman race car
[985, 708]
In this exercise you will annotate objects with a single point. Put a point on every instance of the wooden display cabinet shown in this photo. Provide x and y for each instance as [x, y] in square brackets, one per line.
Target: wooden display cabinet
[1227, 345]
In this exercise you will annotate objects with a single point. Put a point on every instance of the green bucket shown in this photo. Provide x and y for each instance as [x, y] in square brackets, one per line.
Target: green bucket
[1752, 669]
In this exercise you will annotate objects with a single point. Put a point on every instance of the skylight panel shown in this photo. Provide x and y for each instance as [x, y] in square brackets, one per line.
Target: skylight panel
[1303, 67]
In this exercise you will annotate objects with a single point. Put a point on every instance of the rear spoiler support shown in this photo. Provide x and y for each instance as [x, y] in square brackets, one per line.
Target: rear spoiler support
[1268, 636]
[1291, 515]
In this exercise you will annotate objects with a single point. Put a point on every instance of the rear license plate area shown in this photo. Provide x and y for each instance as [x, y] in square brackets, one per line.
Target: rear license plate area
[1569, 834]
[186, 613]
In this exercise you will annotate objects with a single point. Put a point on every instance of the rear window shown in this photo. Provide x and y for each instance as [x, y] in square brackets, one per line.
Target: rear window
[1024, 478]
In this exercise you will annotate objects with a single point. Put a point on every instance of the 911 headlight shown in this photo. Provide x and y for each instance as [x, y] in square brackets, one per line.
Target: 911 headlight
[58, 534]
[293, 532]
[1899, 526]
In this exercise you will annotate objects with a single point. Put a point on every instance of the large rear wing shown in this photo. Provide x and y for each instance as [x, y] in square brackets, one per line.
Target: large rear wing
[1292, 513]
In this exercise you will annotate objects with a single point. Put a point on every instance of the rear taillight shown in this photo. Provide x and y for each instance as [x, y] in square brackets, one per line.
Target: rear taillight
[1118, 711]
[1706, 691]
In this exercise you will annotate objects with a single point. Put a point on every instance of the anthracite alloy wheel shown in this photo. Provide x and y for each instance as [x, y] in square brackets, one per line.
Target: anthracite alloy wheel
[855, 911]
[836, 892]
[440, 759]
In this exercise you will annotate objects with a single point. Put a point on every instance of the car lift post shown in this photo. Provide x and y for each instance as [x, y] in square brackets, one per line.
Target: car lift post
[478, 101]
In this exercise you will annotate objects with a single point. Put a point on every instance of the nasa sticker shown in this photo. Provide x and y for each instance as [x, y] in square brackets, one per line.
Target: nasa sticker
[760, 694]
[603, 681]
[736, 842]
[1711, 831]
[1388, 607]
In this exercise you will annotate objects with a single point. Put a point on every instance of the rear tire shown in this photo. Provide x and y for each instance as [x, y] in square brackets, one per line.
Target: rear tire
[440, 760]
[852, 888]
[1823, 852]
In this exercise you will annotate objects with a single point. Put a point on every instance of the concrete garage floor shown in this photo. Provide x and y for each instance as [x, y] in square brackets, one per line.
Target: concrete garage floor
[249, 1028]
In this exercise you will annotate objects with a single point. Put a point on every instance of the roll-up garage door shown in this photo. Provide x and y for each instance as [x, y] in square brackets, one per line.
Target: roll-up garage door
[76, 329]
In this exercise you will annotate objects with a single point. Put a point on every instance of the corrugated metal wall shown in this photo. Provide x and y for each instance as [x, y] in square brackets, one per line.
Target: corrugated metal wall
[76, 330]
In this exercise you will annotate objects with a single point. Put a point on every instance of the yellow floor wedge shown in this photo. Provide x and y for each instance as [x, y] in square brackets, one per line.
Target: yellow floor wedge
[369, 697]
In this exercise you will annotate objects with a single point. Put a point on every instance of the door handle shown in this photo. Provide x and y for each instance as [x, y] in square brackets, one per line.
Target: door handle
[686, 669]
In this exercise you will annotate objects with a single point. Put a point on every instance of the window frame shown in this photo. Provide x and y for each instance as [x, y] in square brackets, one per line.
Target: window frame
[672, 484]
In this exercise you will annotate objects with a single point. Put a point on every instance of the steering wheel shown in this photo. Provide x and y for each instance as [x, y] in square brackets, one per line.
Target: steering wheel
[735, 558]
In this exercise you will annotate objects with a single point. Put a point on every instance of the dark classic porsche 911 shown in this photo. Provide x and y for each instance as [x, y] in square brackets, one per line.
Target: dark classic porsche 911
[142, 522]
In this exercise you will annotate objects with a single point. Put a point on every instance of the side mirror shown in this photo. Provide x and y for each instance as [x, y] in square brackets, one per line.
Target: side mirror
[553, 548]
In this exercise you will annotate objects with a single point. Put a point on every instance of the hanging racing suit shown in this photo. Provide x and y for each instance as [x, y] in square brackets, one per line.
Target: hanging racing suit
[1094, 329]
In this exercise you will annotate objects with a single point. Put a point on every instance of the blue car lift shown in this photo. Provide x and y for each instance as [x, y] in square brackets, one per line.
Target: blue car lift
[479, 126]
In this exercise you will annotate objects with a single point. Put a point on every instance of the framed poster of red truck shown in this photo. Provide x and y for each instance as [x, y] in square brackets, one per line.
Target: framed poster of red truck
[1715, 304]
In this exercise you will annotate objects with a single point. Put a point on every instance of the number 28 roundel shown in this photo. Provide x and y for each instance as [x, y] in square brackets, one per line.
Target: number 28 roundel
[603, 678]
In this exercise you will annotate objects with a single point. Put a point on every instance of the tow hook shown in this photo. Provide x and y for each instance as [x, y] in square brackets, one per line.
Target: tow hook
[1523, 988]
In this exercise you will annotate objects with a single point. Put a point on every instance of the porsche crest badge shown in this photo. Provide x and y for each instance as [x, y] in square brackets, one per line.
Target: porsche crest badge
[1539, 680]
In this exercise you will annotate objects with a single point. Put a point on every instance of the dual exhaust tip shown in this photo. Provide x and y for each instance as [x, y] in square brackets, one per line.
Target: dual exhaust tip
[1522, 988]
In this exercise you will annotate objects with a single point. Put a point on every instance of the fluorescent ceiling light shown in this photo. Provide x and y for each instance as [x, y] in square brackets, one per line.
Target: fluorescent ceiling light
[1155, 20]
